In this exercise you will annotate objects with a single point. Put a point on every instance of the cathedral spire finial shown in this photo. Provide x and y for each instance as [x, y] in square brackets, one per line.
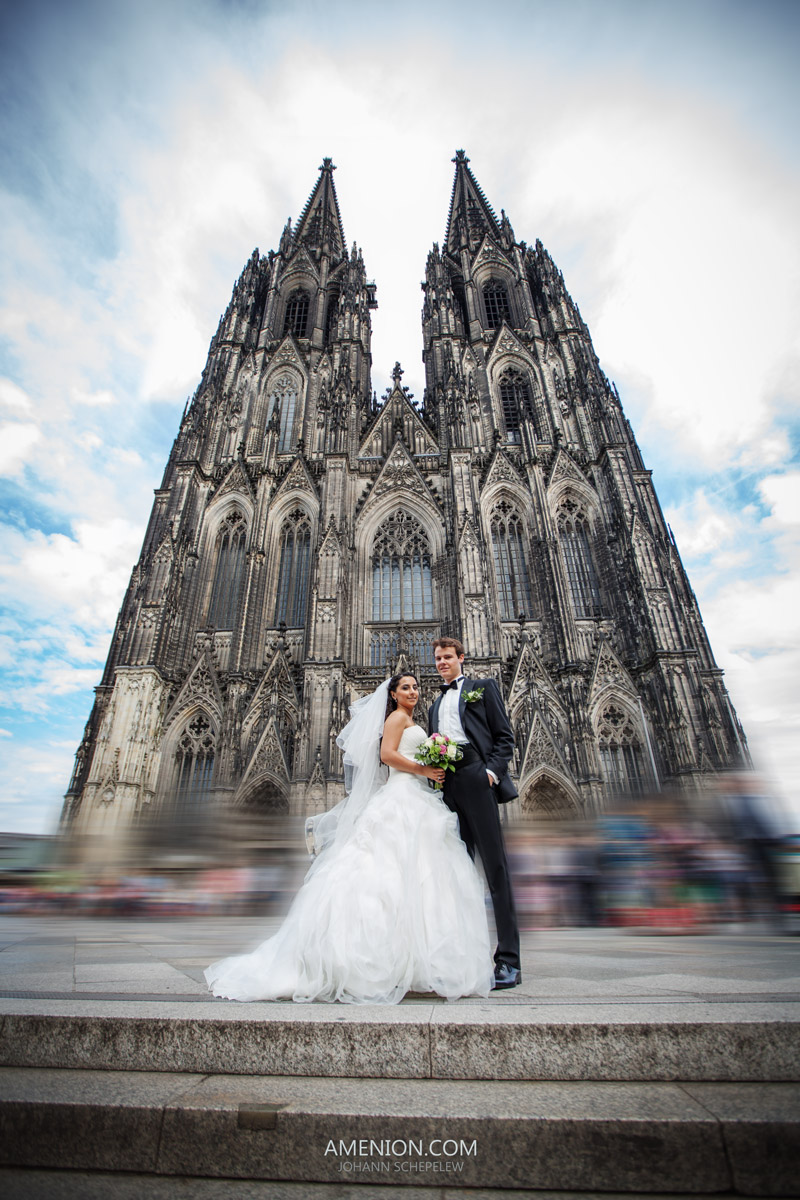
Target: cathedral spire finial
[397, 374]
[471, 215]
[320, 225]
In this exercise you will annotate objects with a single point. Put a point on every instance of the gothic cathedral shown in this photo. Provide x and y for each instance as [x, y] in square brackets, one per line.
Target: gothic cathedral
[307, 540]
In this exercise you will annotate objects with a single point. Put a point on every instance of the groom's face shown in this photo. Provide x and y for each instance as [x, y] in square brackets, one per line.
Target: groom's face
[448, 663]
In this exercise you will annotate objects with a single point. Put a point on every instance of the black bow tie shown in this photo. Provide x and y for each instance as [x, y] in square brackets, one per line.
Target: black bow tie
[447, 686]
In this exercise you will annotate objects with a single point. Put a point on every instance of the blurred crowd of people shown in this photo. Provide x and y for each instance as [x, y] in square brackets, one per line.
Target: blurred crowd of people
[211, 891]
[663, 862]
[235, 880]
[666, 862]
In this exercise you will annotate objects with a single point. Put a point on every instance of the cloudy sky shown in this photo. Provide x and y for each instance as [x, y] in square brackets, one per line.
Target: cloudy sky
[147, 148]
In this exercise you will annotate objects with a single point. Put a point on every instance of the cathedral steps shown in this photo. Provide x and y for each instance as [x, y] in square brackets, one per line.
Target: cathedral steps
[634, 1138]
[752, 1042]
[625, 1066]
[628, 1098]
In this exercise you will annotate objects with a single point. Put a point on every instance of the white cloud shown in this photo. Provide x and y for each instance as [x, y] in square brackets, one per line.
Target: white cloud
[16, 443]
[679, 222]
[756, 640]
[757, 619]
[47, 683]
[782, 493]
[702, 526]
[131, 458]
[12, 396]
[770, 450]
[75, 580]
[745, 569]
[102, 398]
[8, 649]
[35, 779]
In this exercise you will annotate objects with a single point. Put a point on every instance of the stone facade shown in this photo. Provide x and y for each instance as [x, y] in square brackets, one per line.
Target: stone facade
[308, 539]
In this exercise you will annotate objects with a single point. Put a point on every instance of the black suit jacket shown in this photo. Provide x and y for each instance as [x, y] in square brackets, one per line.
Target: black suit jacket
[486, 724]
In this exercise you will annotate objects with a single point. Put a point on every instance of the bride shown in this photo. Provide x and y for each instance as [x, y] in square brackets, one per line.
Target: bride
[392, 902]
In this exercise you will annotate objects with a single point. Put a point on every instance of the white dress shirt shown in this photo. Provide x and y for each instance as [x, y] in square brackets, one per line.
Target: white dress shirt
[449, 718]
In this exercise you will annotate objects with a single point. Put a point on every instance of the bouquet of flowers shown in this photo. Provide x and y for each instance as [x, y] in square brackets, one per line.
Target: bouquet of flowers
[439, 751]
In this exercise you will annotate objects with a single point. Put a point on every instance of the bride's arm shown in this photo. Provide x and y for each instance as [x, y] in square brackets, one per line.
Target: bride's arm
[392, 732]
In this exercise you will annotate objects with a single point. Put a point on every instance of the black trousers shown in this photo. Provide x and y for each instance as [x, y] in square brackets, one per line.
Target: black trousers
[468, 793]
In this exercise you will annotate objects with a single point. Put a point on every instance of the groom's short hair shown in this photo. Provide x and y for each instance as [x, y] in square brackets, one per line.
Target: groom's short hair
[450, 643]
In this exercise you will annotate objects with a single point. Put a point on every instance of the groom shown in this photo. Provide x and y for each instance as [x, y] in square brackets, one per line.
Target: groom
[471, 711]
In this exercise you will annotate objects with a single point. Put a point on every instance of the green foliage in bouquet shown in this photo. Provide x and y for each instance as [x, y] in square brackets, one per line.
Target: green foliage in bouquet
[439, 751]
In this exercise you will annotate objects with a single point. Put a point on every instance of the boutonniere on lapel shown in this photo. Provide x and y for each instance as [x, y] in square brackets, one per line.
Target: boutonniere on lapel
[471, 697]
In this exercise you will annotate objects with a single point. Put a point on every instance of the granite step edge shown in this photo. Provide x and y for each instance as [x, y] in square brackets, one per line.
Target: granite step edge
[744, 1051]
[691, 1138]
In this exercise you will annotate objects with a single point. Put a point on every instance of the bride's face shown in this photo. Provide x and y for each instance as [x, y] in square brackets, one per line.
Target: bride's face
[407, 693]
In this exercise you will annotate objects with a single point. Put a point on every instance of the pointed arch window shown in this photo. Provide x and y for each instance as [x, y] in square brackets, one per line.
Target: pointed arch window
[194, 764]
[620, 751]
[496, 304]
[284, 410]
[228, 571]
[573, 536]
[332, 317]
[296, 319]
[401, 571]
[516, 402]
[460, 293]
[510, 564]
[294, 570]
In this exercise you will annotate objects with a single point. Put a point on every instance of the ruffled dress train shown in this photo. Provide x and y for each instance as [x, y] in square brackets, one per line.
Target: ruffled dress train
[398, 907]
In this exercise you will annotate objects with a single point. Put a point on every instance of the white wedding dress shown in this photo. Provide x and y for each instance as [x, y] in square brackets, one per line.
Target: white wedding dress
[398, 907]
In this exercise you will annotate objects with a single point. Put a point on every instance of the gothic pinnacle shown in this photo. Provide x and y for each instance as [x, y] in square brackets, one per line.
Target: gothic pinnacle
[470, 212]
[320, 223]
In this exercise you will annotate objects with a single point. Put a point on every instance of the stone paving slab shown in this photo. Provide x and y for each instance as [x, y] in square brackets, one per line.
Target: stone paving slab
[62, 982]
[152, 977]
[580, 1136]
[702, 984]
[595, 965]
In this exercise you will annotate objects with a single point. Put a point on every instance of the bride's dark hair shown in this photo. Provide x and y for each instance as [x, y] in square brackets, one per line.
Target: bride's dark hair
[391, 703]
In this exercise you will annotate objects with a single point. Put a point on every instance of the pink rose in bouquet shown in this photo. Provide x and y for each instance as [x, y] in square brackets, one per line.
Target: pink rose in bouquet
[438, 750]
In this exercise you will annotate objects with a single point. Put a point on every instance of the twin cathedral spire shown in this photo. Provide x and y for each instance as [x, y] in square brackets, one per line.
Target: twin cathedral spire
[307, 540]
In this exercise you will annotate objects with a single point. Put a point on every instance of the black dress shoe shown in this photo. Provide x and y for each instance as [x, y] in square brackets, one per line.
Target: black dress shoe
[506, 976]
